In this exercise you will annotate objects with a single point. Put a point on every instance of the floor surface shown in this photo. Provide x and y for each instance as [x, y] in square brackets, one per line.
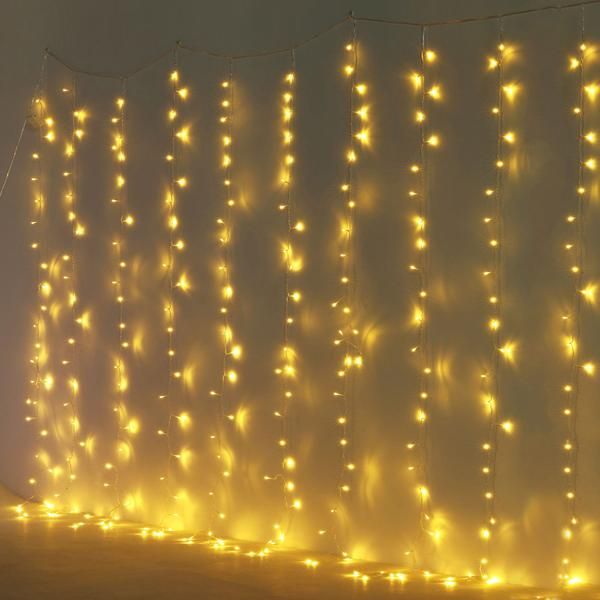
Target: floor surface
[48, 558]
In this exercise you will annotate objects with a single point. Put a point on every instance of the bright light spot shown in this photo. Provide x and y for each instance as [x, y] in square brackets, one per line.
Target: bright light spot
[510, 90]
[435, 92]
[508, 351]
[589, 368]
[589, 292]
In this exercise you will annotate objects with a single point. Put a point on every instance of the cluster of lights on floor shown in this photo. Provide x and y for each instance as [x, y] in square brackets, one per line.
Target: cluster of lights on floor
[344, 567]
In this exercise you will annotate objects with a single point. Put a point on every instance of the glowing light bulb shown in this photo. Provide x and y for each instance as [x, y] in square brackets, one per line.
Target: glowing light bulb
[589, 368]
[508, 351]
[494, 324]
[589, 292]
[592, 90]
[183, 135]
[435, 92]
[510, 90]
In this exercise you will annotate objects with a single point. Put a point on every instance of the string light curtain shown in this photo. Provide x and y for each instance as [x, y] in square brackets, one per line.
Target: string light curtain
[300, 401]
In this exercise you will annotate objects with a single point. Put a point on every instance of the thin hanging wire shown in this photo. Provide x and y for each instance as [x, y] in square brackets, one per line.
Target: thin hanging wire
[36, 93]
[408, 23]
[13, 157]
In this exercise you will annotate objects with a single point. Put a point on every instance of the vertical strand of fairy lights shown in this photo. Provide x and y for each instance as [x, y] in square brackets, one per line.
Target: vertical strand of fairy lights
[420, 267]
[493, 278]
[347, 336]
[38, 382]
[47, 292]
[493, 275]
[123, 221]
[286, 369]
[51, 290]
[572, 321]
[231, 350]
[71, 360]
[177, 181]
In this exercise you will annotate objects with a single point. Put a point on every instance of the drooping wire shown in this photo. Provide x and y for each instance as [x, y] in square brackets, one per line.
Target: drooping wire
[13, 158]
[315, 36]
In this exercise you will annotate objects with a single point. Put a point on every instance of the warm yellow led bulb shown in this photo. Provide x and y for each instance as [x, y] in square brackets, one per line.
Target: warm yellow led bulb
[435, 92]
[510, 137]
[589, 368]
[510, 90]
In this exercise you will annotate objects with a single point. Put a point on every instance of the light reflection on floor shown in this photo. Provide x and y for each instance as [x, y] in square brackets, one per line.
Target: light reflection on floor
[86, 557]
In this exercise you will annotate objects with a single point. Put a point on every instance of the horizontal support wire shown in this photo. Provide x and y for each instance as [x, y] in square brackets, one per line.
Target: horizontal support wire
[287, 49]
